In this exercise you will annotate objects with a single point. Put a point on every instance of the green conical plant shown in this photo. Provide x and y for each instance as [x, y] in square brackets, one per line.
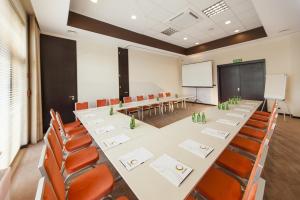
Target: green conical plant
[157, 98]
[223, 106]
[203, 118]
[194, 117]
[132, 122]
[120, 104]
[199, 117]
[111, 111]
[226, 106]
[219, 106]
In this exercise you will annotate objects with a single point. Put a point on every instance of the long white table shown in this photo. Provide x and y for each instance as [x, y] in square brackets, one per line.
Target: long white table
[144, 181]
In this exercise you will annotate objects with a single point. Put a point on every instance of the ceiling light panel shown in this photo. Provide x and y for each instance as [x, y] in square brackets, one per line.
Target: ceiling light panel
[215, 9]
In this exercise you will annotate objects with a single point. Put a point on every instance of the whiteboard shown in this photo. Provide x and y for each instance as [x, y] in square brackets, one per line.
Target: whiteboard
[275, 86]
[197, 75]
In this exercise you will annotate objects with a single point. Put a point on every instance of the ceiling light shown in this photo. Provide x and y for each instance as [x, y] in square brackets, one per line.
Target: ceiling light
[236, 31]
[94, 1]
[133, 17]
[217, 8]
[185, 38]
[228, 22]
[196, 43]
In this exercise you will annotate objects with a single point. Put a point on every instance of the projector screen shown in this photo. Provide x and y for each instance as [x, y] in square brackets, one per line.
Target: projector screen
[197, 75]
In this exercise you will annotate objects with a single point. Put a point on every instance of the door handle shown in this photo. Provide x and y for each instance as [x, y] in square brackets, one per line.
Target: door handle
[238, 89]
[126, 92]
[72, 98]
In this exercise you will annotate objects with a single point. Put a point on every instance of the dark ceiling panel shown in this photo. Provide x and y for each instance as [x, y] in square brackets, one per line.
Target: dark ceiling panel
[89, 24]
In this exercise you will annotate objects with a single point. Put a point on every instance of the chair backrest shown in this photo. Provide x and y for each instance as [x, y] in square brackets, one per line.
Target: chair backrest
[53, 174]
[55, 126]
[60, 123]
[151, 96]
[101, 102]
[168, 94]
[272, 123]
[160, 95]
[127, 99]
[52, 114]
[45, 190]
[81, 105]
[114, 101]
[52, 141]
[140, 98]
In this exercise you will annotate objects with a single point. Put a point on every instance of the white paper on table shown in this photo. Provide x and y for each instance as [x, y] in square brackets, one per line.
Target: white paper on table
[171, 169]
[105, 129]
[134, 158]
[238, 115]
[246, 106]
[196, 148]
[95, 122]
[242, 110]
[228, 122]
[88, 115]
[250, 103]
[215, 133]
[113, 141]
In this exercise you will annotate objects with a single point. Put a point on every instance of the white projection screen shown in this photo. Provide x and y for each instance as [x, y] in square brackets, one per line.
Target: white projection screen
[197, 75]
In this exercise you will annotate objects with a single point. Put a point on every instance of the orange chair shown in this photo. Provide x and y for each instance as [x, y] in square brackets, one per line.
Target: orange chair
[165, 104]
[259, 118]
[155, 106]
[161, 95]
[101, 102]
[81, 106]
[246, 144]
[257, 124]
[266, 114]
[68, 126]
[74, 162]
[114, 101]
[71, 144]
[93, 184]
[168, 94]
[130, 110]
[45, 190]
[71, 133]
[141, 98]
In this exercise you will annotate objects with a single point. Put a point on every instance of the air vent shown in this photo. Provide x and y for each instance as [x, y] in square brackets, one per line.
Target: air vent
[184, 19]
[169, 31]
[215, 9]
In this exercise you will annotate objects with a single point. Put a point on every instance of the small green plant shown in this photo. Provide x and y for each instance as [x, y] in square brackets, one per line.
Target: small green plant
[176, 95]
[203, 118]
[120, 104]
[194, 117]
[157, 98]
[199, 117]
[219, 106]
[132, 122]
[111, 111]
[226, 106]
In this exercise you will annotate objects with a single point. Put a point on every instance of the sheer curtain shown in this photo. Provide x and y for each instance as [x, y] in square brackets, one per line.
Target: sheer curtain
[13, 82]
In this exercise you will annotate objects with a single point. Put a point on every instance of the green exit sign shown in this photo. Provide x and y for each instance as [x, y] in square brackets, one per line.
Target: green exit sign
[238, 60]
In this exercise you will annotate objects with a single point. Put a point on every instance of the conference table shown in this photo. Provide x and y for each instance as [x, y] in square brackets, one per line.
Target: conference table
[144, 179]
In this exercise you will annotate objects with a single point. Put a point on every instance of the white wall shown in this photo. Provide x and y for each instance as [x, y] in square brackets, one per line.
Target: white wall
[97, 71]
[281, 54]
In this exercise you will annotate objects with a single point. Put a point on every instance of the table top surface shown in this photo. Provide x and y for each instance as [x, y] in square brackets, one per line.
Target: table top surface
[143, 180]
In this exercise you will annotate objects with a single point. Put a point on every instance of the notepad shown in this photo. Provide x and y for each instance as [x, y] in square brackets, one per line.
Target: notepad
[135, 158]
[238, 115]
[89, 115]
[171, 169]
[246, 106]
[228, 122]
[113, 141]
[95, 122]
[196, 148]
[105, 129]
[242, 110]
[215, 133]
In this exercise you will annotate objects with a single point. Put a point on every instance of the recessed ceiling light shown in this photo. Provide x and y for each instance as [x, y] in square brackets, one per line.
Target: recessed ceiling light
[217, 8]
[185, 38]
[236, 31]
[133, 16]
[228, 22]
[94, 1]
[196, 43]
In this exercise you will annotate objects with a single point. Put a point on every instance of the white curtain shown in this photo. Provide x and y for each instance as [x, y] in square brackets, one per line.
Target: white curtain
[13, 82]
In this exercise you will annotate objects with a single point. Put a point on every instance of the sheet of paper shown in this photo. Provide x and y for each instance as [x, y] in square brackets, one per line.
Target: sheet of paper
[242, 110]
[238, 115]
[246, 106]
[95, 122]
[171, 169]
[228, 122]
[196, 148]
[113, 141]
[135, 158]
[105, 129]
[215, 133]
[250, 103]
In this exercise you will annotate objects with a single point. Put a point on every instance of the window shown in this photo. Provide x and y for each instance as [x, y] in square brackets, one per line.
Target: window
[13, 83]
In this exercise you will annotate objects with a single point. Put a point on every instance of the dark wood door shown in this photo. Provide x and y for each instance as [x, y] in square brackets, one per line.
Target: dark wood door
[59, 77]
[246, 79]
[123, 73]
[229, 82]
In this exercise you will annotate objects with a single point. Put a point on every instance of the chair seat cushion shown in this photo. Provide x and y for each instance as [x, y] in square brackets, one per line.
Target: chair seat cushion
[235, 162]
[267, 114]
[93, 184]
[132, 110]
[259, 134]
[246, 144]
[216, 185]
[260, 118]
[81, 159]
[71, 125]
[78, 142]
[76, 131]
[257, 124]
[122, 198]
